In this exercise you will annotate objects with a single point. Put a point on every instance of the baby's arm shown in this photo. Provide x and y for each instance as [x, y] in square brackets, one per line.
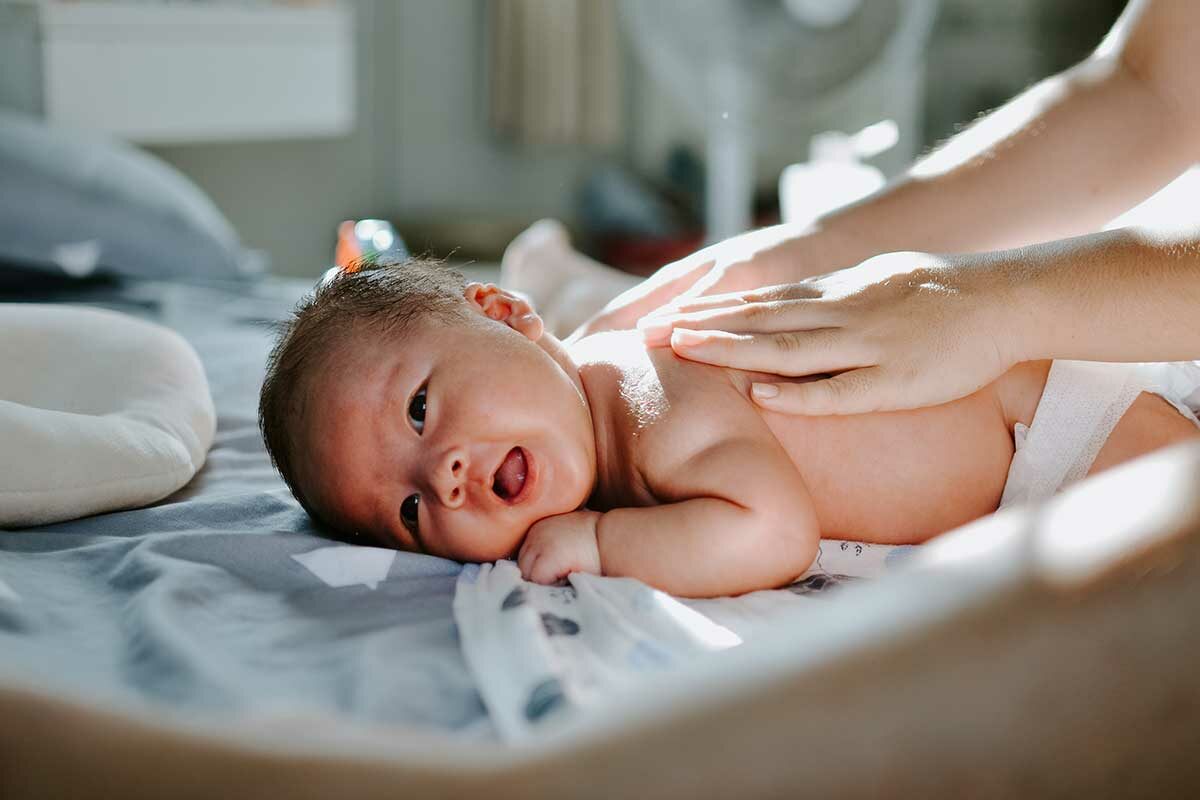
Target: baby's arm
[743, 521]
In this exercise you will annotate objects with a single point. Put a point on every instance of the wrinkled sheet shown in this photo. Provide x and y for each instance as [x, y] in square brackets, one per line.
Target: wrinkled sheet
[222, 598]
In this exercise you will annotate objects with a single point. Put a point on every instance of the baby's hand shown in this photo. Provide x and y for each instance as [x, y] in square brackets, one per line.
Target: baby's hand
[559, 545]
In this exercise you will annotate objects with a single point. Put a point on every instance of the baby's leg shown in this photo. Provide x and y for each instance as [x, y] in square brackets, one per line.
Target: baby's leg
[1149, 424]
[566, 286]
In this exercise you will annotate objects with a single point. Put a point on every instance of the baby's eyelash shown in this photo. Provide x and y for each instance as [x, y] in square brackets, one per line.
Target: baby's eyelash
[410, 509]
[417, 408]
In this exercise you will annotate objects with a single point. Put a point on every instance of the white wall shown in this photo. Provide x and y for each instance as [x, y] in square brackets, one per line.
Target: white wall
[286, 197]
[422, 150]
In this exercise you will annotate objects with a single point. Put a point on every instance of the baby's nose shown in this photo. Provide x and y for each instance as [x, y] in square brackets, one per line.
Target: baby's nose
[450, 477]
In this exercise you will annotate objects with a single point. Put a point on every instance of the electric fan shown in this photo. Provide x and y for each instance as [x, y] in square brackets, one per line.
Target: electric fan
[758, 74]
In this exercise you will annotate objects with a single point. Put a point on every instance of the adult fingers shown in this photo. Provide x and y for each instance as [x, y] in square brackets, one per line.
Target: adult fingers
[787, 353]
[664, 286]
[686, 304]
[854, 392]
[706, 284]
[628, 307]
[774, 317]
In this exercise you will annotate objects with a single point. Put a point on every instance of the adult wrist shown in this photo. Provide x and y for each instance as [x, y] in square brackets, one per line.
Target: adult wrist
[815, 251]
[1011, 304]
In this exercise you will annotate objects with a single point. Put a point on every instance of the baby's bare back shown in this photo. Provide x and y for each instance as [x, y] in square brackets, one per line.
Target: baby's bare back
[901, 477]
[896, 477]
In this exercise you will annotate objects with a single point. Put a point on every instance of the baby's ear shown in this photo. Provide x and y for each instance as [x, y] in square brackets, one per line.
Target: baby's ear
[511, 308]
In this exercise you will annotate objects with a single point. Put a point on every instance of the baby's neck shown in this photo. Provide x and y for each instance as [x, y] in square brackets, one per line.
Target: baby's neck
[594, 380]
[605, 363]
[558, 351]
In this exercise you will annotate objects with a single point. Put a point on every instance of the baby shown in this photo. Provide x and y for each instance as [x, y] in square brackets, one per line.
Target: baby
[414, 411]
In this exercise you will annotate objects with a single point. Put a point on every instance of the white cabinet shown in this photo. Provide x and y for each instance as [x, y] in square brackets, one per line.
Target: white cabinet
[198, 72]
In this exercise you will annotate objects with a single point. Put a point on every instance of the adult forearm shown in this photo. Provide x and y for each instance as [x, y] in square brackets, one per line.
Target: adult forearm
[1125, 295]
[1060, 160]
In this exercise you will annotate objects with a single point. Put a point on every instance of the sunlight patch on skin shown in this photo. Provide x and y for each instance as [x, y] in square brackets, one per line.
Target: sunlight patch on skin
[644, 395]
[978, 142]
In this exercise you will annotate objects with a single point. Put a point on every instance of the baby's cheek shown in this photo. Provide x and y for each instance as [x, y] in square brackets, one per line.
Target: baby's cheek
[511, 545]
[481, 540]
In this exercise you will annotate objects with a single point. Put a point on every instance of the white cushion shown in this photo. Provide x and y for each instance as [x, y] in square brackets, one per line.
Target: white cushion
[99, 411]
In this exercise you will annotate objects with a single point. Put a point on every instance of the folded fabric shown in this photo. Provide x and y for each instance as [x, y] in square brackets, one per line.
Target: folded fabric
[98, 411]
[542, 655]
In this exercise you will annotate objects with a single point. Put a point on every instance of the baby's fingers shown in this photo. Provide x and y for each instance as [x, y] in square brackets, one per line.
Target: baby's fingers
[526, 560]
[793, 353]
[853, 392]
[547, 571]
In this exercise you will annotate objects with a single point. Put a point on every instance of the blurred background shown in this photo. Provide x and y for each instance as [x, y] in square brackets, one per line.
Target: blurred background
[647, 126]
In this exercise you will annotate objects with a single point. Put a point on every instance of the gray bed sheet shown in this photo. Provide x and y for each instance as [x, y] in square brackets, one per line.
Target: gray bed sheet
[196, 604]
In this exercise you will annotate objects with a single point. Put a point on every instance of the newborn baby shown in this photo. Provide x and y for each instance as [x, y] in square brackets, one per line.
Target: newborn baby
[407, 409]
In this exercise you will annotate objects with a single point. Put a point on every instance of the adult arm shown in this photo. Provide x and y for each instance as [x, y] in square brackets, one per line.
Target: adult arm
[1057, 161]
[906, 330]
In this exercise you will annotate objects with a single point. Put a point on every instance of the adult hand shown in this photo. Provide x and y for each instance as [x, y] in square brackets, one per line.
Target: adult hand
[758, 258]
[901, 330]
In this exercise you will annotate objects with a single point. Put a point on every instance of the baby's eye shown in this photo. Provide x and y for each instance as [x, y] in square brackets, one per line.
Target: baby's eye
[416, 410]
[408, 512]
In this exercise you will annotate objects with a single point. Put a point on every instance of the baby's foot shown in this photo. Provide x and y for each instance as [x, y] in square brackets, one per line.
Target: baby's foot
[533, 263]
[565, 286]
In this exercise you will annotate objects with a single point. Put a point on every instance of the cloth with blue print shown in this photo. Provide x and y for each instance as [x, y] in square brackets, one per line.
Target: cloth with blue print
[543, 655]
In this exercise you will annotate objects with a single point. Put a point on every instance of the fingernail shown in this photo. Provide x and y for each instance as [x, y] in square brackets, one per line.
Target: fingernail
[764, 390]
[682, 337]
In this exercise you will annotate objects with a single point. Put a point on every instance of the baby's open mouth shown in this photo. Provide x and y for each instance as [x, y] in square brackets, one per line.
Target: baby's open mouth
[510, 477]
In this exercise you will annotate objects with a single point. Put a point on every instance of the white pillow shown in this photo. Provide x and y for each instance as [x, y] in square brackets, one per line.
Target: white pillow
[99, 411]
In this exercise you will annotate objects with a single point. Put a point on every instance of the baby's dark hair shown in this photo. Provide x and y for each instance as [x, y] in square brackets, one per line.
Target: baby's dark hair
[380, 299]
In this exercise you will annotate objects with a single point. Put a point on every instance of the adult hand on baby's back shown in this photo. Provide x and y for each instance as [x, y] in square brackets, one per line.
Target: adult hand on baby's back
[748, 261]
[559, 545]
[900, 330]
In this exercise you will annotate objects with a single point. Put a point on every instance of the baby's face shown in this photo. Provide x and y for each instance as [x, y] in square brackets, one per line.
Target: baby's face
[452, 442]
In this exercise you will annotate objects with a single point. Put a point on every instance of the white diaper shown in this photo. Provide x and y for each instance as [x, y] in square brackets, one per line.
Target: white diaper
[1082, 402]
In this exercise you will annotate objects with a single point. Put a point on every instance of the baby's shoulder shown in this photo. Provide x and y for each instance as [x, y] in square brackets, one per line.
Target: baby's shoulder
[665, 410]
[712, 441]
